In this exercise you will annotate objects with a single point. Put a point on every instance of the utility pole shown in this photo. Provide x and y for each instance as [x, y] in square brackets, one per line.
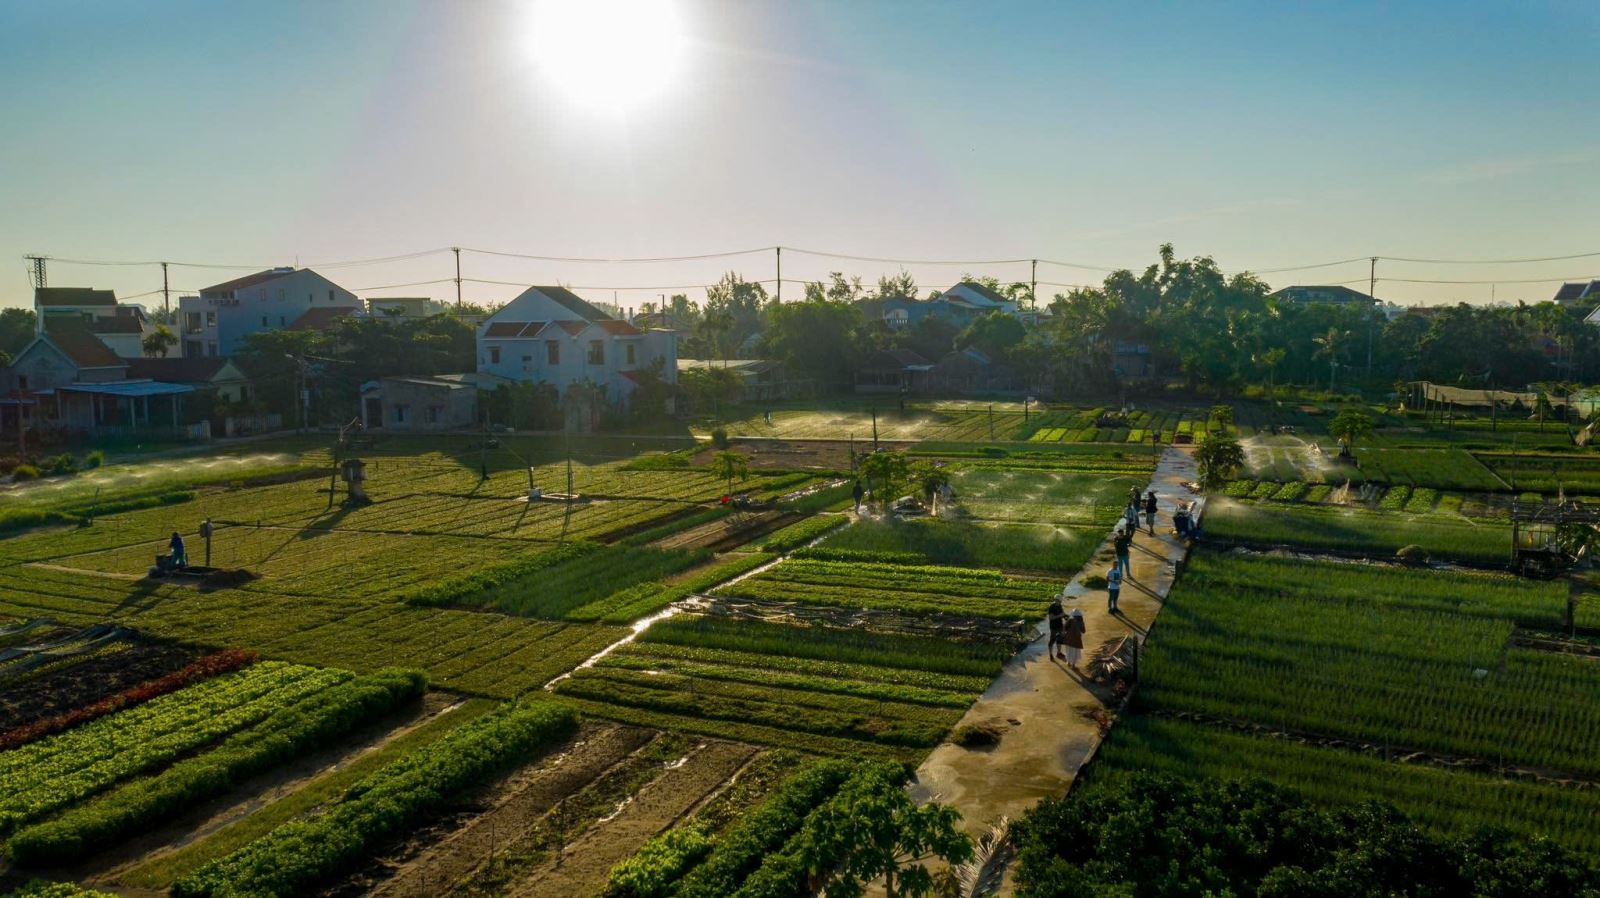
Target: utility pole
[166, 292]
[1033, 285]
[1372, 289]
[457, 251]
[779, 251]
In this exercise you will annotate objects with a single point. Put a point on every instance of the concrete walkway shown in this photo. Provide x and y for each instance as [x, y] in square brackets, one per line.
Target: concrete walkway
[1043, 707]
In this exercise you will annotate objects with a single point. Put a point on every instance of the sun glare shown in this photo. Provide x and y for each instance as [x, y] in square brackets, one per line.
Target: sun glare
[608, 55]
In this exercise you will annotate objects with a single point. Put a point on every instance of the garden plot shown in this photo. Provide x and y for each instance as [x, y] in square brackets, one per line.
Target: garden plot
[1043, 497]
[813, 688]
[1358, 531]
[966, 421]
[927, 589]
[1039, 547]
[1569, 474]
[1363, 665]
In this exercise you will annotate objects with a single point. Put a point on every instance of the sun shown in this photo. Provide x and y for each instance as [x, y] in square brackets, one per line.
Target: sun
[607, 55]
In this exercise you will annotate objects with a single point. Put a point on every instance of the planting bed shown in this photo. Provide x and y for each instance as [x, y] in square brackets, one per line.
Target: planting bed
[1327, 676]
[1358, 531]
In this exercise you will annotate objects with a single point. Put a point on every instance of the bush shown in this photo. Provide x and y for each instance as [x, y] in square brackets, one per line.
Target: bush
[976, 736]
[24, 472]
[292, 859]
[1143, 834]
[719, 438]
[57, 465]
[94, 459]
[39, 888]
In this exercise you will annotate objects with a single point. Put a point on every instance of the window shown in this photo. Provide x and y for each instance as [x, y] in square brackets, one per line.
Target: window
[630, 353]
[311, 297]
[282, 321]
[597, 352]
[282, 293]
[432, 414]
[552, 352]
[211, 347]
[263, 321]
[211, 319]
[330, 296]
[400, 413]
[494, 355]
[22, 381]
[191, 321]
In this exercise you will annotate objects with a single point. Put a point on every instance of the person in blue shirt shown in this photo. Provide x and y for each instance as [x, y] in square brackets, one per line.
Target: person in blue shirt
[1113, 587]
[180, 558]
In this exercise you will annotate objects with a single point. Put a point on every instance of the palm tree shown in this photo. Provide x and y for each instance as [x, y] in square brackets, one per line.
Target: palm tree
[1331, 346]
[728, 465]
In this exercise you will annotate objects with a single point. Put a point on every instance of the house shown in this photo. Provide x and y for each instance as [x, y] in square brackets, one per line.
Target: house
[420, 404]
[66, 352]
[763, 379]
[969, 370]
[1132, 361]
[120, 327]
[391, 308]
[321, 318]
[214, 374]
[980, 298]
[216, 322]
[894, 371]
[1581, 294]
[1331, 295]
[552, 336]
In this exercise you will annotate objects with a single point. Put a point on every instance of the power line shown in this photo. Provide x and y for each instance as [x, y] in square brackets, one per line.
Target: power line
[1489, 261]
[1582, 277]
[741, 252]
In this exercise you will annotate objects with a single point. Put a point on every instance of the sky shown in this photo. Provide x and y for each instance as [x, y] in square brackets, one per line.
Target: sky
[1262, 134]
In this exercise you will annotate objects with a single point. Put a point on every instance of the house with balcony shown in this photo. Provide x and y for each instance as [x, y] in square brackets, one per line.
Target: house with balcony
[216, 322]
[552, 336]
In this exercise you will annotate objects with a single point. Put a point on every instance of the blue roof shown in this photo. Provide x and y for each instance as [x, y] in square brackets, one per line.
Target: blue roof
[133, 388]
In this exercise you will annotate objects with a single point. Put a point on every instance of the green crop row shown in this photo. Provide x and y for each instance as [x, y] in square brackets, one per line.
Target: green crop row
[802, 532]
[288, 732]
[1358, 531]
[473, 587]
[852, 646]
[877, 672]
[860, 688]
[62, 770]
[292, 859]
[1347, 655]
[630, 604]
[944, 542]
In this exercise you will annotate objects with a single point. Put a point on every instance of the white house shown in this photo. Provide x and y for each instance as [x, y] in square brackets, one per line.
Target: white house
[121, 328]
[980, 297]
[216, 322]
[550, 335]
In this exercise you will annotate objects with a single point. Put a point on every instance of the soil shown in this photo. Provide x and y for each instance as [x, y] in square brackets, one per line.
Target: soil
[103, 870]
[87, 682]
[784, 455]
[582, 868]
[719, 536]
[515, 805]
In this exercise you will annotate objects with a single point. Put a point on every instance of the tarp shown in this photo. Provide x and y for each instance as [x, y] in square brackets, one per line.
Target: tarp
[1481, 398]
[129, 388]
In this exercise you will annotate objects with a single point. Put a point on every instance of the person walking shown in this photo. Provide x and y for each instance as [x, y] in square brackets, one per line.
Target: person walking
[1150, 511]
[1122, 542]
[1072, 636]
[1113, 587]
[180, 558]
[857, 492]
[1057, 618]
[1130, 516]
[1133, 495]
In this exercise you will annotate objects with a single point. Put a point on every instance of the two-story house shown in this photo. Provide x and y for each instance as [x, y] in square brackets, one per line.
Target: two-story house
[216, 322]
[121, 328]
[550, 335]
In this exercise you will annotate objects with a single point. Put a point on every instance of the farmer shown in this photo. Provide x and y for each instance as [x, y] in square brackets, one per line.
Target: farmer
[1150, 511]
[1072, 636]
[180, 558]
[1180, 520]
[1122, 541]
[1056, 618]
[1130, 516]
[1133, 495]
[1113, 587]
[857, 492]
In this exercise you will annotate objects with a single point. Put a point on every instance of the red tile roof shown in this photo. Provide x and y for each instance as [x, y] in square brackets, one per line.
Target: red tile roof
[249, 280]
[189, 370]
[618, 328]
[320, 318]
[512, 329]
[73, 296]
[72, 337]
[120, 324]
[573, 328]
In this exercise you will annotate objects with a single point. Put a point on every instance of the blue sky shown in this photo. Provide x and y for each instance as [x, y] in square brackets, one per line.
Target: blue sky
[1264, 134]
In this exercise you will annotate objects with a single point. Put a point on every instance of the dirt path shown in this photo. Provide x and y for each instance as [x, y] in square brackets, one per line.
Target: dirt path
[586, 863]
[1042, 707]
[533, 791]
[104, 870]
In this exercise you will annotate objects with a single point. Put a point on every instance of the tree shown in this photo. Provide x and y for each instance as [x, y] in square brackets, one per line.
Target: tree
[994, 333]
[1331, 346]
[872, 829]
[17, 327]
[159, 341]
[1219, 457]
[1223, 415]
[815, 339]
[887, 469]
[728, 466]
[929, 479]
[1348, 426]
